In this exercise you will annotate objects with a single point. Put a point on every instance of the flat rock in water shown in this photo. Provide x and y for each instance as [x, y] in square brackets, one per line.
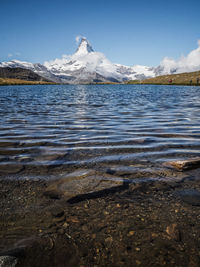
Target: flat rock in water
[190, 196]
[83, 182]
[8, 261]
[184, 165]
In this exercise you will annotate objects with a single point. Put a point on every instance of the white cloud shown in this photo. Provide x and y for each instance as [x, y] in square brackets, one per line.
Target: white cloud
[188, 63]
[17, 54]
[79, 37]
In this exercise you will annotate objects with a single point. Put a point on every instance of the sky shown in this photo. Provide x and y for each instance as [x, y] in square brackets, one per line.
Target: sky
[127, 32]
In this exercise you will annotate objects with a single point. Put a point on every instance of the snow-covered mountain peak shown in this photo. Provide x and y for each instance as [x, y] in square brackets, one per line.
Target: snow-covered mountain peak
[84, 47]
[84, 66]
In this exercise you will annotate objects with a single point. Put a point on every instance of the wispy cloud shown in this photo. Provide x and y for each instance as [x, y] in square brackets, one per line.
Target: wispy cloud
[79, 37]
[16, 54]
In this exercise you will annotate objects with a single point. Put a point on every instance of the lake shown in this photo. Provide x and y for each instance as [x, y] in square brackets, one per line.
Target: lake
[125, 131]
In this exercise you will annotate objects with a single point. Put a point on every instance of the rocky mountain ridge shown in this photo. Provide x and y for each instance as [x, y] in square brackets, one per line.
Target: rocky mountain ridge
[84, 66]
[21, 73]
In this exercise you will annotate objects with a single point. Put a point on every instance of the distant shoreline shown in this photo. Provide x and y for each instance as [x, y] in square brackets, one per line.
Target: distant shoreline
[187, 78]
[182, 79]
[46, 83]
[10, 81]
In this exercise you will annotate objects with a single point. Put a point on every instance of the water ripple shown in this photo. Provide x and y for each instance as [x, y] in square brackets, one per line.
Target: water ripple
[131, 131]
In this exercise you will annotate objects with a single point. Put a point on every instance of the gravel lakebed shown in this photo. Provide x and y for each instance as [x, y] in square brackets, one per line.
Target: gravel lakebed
[124, 223]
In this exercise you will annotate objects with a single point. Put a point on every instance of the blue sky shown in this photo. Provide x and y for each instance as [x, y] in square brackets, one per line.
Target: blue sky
[127, 32]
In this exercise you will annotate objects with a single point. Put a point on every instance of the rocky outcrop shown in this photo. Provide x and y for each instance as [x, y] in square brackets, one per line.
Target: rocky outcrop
[22, 74]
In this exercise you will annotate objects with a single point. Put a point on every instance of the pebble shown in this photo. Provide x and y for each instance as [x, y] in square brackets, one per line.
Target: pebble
[61, 231]
[94, 236]
[131, 233]
[109, 239]
[65, 225]
[173, 232]
[85, 228]
[154, 235]
[57, 212]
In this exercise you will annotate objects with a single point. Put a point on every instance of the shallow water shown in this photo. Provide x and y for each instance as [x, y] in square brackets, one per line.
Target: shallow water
[126, 131]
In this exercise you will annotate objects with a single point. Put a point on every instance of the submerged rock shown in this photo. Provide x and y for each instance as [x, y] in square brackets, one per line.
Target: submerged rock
[8, 261]
[190, 196]
[57, 212]
[53, 193]
[83, 183]
[183, 165]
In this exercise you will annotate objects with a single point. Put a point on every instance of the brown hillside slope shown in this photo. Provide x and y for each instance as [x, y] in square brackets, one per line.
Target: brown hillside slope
[9, 81]
[188, 78]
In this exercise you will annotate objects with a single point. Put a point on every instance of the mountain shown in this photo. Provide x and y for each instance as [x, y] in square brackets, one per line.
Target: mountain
[22, 74]
[87, 65]
[36, 68]
[84, 66]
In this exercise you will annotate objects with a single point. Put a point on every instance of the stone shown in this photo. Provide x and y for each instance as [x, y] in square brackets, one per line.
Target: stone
[190, 196]
[8, 261]
[184, 165]
[72, 219]
[173, 232]
[109, 239]
[61, 231]
[131, 233]
[154, 235]
[53, 194]
[65, 225]
[57, 212]
[83, 184]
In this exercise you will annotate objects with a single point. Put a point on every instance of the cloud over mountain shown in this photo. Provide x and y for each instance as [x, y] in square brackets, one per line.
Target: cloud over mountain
[89, 66]
[188, 63]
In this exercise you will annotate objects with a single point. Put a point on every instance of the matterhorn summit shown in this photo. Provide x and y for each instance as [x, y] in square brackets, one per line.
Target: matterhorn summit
[84, 66]
[84, 47]
[87, 65]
